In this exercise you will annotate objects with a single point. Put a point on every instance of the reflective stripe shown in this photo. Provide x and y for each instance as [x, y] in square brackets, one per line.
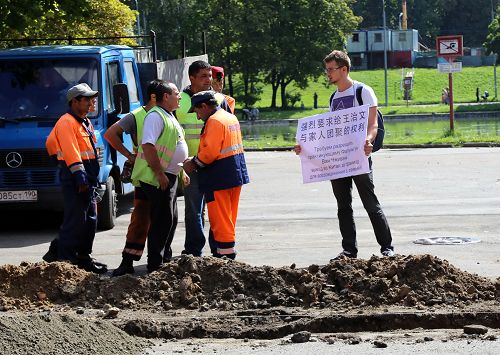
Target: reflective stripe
[132, 251]
[234, 127]
[226, 251]
[232, 148]
[164, 150]
[192, 125]
[163, 162]
[76, 167]
[86, 154]
[192, 136]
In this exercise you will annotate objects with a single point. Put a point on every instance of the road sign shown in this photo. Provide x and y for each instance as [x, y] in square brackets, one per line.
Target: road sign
[449, 46]
[454, 67]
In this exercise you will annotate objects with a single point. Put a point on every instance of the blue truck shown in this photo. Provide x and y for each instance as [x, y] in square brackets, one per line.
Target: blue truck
[33, 85]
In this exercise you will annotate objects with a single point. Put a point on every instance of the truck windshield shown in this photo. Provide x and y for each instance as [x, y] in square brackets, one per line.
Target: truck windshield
[36, 88]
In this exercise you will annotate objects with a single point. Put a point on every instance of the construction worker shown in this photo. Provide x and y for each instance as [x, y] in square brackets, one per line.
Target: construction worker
[72, 141]
[137, 232]
[222, 169]
[200, 76]
[158, 162]
[218, 86]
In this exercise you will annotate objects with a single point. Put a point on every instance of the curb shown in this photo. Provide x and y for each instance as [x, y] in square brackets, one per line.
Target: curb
[396, 146]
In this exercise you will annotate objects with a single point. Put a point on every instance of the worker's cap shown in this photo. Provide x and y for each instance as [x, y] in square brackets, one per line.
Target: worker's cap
[201, 97]
[218, 73]
[82, 89]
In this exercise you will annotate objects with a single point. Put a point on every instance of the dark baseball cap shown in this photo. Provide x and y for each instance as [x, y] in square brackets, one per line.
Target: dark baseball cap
[201, 97]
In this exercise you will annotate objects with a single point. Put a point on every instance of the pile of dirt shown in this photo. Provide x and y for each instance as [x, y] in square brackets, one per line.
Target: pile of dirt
[55, 334]
[220, 284]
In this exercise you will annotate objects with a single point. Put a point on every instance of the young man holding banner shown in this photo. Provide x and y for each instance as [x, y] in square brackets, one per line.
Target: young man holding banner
[337, 67]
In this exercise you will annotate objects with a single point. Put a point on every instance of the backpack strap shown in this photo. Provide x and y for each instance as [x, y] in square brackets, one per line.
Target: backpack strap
[358, 89]
[331, 99]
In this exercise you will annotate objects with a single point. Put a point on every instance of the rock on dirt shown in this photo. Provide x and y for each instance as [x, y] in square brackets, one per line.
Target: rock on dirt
[475, 329]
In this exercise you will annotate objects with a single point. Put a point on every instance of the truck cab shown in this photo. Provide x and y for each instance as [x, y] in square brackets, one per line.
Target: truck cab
[34, 82]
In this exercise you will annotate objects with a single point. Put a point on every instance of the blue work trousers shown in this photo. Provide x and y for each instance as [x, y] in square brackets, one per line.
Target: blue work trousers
[77, 232]
[194, 201]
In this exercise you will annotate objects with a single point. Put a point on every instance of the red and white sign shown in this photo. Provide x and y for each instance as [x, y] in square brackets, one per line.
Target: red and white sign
[449, 46]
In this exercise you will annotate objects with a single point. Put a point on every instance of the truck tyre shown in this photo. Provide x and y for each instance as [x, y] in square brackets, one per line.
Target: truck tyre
[106, 209]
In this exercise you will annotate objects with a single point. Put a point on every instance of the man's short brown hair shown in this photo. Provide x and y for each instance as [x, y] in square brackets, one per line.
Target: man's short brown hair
[340, 57]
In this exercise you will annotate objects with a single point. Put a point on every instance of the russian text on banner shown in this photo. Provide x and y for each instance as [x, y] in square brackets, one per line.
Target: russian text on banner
[332, 144]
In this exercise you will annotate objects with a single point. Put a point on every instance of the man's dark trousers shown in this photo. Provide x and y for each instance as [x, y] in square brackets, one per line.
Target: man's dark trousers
[160, 233]
[77, 232]
[342, 189]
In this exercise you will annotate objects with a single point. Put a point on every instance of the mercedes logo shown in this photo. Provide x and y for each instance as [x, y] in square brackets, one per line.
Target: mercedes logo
[13, 160]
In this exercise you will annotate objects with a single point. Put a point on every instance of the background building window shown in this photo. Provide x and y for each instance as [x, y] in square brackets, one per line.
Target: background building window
[378, 37]
[355, 37]
[402, 36]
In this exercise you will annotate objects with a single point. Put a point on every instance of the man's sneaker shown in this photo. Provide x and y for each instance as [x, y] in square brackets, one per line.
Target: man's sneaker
[388, 252]
[344, 254]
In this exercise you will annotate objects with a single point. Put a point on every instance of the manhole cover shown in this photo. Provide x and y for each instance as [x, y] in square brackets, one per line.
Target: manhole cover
[447, 240]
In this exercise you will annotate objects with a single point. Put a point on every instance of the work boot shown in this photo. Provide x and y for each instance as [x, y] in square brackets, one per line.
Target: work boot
[91, 265]
[51, 254]
[231, 256]
[126, 267]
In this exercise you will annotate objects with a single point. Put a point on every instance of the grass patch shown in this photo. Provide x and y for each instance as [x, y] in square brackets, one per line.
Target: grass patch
[426, 94]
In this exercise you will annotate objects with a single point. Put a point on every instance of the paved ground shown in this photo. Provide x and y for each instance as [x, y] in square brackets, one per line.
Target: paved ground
[424, 193]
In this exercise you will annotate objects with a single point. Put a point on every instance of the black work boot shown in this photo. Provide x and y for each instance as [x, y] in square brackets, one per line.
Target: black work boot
[51, 254]
[91, 265]
[126, 266]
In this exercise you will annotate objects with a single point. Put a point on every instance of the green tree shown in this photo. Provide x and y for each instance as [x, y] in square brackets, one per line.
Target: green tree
[303, 32]
[21, 19]
[492, 43]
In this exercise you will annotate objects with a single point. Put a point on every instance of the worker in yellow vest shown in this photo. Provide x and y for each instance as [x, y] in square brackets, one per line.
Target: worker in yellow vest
[133, 124]
[159, 159]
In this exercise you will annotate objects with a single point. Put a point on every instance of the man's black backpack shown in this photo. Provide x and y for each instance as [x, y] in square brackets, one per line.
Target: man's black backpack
[379, 139]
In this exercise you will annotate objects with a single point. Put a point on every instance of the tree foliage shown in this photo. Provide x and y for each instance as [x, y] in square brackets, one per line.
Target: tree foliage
[492, 43]
[21, 19]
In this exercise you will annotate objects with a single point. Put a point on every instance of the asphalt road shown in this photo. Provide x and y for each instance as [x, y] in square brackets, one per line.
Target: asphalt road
[441, 192]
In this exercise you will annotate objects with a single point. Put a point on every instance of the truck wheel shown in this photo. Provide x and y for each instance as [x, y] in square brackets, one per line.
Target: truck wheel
[106, 213]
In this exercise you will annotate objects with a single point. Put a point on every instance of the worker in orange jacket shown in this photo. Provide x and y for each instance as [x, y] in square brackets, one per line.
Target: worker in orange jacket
[222, 169]
[218, 86]
[72, 141]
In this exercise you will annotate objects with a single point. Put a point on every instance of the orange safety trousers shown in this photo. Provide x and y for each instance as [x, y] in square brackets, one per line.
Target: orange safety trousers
[222, 213]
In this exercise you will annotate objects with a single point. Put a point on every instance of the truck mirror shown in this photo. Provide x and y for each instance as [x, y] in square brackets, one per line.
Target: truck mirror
[121, 98]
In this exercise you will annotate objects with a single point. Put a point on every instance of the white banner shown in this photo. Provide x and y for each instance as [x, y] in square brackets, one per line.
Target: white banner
[332, 144]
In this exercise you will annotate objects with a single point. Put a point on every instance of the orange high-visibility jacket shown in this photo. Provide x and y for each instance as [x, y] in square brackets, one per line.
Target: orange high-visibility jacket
[69, 140]
[220, 154]
[231, 102]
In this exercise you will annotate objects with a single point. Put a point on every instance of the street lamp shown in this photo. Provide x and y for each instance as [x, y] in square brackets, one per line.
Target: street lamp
[385, 53]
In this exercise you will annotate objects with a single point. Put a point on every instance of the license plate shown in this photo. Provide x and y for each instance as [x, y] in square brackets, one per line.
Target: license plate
[18, 196]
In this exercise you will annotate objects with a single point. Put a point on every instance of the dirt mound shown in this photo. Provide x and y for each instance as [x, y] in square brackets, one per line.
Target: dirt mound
[220, 284]
[54, 334]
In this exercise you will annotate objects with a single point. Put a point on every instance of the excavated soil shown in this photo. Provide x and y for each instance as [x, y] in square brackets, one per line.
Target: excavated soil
[209, 297]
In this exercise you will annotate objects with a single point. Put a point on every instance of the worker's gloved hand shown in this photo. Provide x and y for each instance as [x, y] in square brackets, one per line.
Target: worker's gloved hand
[81, 180]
